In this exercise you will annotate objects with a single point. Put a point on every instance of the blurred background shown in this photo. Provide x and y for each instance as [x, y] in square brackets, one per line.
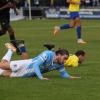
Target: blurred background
[30, 9]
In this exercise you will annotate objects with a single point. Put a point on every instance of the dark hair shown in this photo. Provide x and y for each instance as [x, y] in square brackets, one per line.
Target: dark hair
[80, 52]
[49, 46]
[62, 52]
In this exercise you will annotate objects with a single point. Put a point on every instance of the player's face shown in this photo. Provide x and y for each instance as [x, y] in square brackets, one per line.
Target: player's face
[81, 58]
[62, 58]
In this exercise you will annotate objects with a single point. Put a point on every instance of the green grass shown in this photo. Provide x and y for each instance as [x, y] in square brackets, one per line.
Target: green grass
[36, 33]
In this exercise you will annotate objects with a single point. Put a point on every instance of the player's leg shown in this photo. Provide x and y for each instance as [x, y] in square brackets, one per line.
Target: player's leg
[62, 27]
[14, 65]
[23, 72]
[6, 73]
[3, 29]
[21, 49]
[19, 72]
[9, 28]
[9, 53]
[12, 49]
[5, 59]
[23, 68]
[5, 62]
[1, 71]
[18, 44]
[65, 26]
[5, 65]
[11, 33]
[78, 30]
[5, 26]
[24, 55]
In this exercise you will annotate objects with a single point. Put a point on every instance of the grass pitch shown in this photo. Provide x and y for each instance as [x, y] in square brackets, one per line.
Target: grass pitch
[36, 33]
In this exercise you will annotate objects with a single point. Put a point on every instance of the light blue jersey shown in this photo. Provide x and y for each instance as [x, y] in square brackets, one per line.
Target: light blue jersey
[45, 62]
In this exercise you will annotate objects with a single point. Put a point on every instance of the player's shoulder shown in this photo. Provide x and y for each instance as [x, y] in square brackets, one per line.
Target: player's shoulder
[73, 56]
[48, 52]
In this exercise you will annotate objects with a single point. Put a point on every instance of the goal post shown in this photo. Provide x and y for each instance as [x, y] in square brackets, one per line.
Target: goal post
[29, 7]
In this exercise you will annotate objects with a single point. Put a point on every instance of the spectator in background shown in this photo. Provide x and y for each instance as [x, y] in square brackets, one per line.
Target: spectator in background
[96, 2]
[36, 2]
[87, 3]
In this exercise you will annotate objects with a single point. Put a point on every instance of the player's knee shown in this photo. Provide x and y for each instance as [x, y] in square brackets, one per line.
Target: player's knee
[72, 25]
[78, 25]
[6, 73]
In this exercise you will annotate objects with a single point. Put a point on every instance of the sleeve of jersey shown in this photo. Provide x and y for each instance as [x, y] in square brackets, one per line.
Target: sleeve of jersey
[63, 72]
[39, 61]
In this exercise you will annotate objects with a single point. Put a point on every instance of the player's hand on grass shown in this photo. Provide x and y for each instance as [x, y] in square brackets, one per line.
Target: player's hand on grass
[75, 77]
[45, 78]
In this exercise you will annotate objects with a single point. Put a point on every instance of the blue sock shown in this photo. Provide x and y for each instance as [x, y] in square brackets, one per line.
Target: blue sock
[22, 49]
[65, 26]
[78, 29]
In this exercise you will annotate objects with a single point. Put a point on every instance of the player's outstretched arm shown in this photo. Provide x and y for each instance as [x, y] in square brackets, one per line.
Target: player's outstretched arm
[65, 74]
[45, 78]
[74, 77]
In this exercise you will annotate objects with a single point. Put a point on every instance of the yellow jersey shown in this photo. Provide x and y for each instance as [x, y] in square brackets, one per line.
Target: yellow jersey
[74, 7]
[72, 61]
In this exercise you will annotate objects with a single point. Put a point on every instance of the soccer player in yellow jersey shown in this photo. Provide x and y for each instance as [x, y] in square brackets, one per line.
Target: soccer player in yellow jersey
[74, 7]
[76, 59]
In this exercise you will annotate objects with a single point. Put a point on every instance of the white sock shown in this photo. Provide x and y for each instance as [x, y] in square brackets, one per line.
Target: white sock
[1, 71]
[8, 55]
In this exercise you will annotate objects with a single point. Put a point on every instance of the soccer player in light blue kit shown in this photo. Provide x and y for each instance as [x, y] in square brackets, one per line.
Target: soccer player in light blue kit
[46, 61]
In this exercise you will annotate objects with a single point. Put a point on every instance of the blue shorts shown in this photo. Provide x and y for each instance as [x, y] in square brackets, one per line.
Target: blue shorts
[74, 15]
